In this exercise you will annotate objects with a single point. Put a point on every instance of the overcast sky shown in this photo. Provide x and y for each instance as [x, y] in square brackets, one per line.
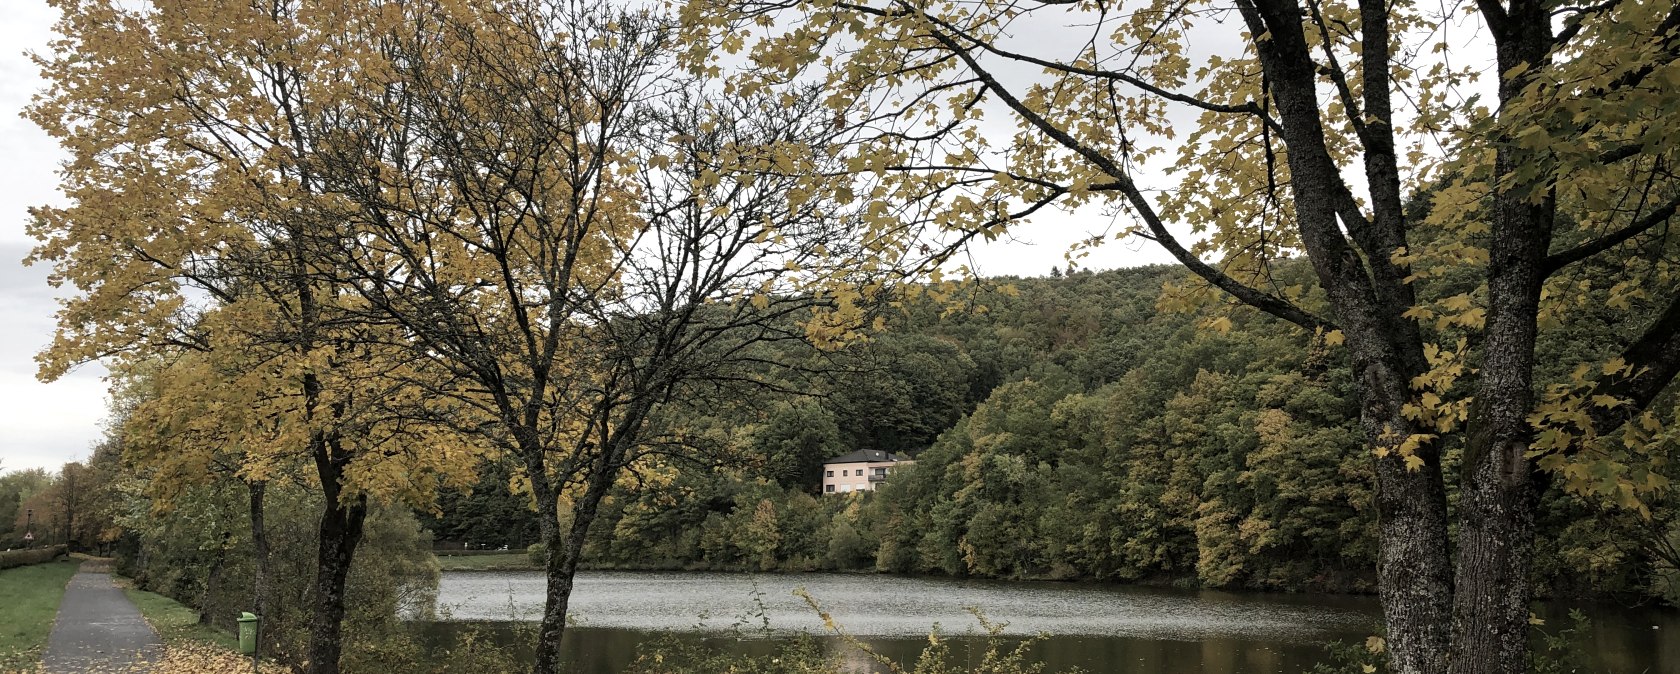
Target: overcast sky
[41, 425]
[45, 425]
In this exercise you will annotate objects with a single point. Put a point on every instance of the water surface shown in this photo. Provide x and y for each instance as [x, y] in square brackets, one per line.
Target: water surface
[1102, 629]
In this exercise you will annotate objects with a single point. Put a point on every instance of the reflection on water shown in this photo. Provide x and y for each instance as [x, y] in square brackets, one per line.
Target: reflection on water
[1099, 628]
[597, 650]
[907, 607]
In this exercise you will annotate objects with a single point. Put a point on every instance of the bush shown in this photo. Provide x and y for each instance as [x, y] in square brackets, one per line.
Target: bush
[1565, 650]
[199, 553]
[1353, 658]
[11, 558]
[538, 553]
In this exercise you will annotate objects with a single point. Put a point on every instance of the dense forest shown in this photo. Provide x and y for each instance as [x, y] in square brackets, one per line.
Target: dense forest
[1063, 427]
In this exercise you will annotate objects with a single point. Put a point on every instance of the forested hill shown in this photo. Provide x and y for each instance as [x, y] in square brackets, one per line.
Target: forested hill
[1063, 427]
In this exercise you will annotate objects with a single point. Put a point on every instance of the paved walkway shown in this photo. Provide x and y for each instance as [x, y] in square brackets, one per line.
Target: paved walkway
[99, 631]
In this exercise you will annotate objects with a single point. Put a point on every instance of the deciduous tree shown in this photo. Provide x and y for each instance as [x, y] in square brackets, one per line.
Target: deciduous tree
[1315, 120]
[574, 231]
[194, 234]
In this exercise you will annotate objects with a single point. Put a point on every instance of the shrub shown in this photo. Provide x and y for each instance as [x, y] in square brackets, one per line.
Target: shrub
[11, 558]
[538, 554]
[1353, 658]
[199, 553]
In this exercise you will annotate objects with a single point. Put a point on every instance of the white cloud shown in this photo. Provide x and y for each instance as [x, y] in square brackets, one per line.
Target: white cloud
[41, 425]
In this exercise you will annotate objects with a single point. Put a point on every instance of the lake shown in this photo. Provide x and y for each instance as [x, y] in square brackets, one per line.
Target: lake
[1100, 628]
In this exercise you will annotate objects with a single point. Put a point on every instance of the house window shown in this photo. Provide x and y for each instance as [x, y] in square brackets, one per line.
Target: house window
[881, 472]
[845, 473]
[830, 473]
[845, 487]
[829, 487]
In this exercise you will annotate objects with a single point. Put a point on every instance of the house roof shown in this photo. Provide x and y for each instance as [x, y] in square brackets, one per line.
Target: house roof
[867, 456]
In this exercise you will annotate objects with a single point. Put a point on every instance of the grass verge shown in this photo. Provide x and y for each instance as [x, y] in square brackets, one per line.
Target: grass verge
[29, 597]
[512, 561]
[176, 622]
[188, 647]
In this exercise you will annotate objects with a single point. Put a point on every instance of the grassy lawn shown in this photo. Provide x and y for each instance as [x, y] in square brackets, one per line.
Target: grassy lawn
[29, 598]
[191, 648]
[177, 623]
[512, 561]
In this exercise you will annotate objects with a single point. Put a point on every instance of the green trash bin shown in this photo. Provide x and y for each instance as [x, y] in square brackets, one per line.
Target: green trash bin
[248, 632]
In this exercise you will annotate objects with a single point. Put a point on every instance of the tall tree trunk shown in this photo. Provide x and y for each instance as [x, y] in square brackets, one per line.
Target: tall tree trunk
[340, 533]
[564, 553]
[553, 625]
[1414, 574]
[259, 547]
[1414, 564]
[1495, 548]
[211, 581]
[1497, 501]
[70, 510]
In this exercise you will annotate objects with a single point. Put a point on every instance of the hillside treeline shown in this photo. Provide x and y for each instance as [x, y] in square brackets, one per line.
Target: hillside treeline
[1063, 427]
[1066, 427]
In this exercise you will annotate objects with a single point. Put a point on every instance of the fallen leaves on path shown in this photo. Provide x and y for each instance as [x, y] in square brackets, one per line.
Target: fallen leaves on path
[184, 659]
[201, 659]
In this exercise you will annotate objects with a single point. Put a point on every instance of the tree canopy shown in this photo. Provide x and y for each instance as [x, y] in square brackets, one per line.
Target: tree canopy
[1315, 122]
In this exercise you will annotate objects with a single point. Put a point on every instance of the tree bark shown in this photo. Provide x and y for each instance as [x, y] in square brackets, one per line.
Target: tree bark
[259, 547]
[564, 553]
[1414, 574]
[340, 533]
[211, 581]
[555, 599]
[70, 510]
[1414, 566]
[1498, 499]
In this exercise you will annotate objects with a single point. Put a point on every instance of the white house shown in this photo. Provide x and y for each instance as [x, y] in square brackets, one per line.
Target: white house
[860, 470]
